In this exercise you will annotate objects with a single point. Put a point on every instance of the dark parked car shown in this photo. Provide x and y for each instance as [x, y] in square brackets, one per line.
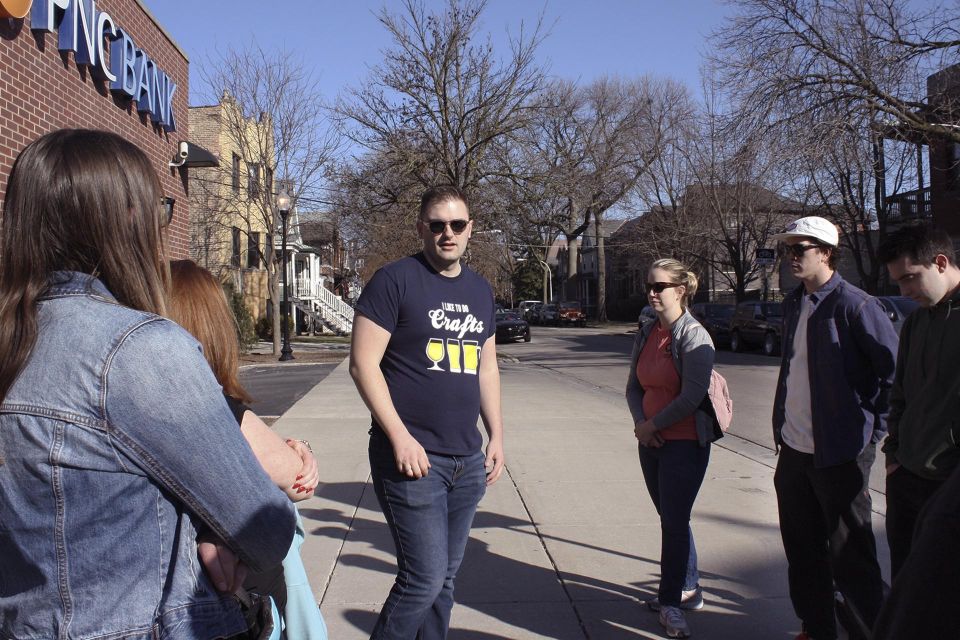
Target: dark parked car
[570, 313]
[510, 326]
[898, 308]
[547, 314]
[715, 318]
[757, 324]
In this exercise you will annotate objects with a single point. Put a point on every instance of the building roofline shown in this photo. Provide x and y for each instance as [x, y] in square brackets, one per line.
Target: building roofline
[166, 33]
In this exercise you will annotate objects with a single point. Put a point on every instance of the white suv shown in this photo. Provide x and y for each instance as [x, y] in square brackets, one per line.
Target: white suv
[525, 307]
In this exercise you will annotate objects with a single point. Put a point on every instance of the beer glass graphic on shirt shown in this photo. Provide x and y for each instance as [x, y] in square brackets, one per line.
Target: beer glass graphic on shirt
[453, 353]
[435, 353]
[471, 356]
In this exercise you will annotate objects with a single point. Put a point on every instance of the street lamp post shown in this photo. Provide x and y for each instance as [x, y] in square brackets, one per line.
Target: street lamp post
[549, 273]
[283, 205]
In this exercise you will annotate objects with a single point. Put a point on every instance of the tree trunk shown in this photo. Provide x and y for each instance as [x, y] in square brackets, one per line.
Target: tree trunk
[570, 287]
[601, 273]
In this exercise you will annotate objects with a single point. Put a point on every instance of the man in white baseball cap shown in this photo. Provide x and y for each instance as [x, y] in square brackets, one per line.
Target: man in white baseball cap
[830, 408]
[813, 227]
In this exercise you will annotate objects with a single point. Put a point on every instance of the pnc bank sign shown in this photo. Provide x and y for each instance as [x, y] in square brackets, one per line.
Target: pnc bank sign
[85, 31]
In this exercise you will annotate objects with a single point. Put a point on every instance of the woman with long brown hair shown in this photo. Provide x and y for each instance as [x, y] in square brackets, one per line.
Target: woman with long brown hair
[114, 437]
[198, 304]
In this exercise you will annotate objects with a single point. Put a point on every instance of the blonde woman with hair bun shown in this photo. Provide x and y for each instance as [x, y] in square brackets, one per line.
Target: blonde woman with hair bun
[669, 376]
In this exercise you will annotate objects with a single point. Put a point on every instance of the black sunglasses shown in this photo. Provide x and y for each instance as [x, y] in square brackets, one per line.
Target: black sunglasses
[797, 250]
[658, 287]
[166, 211]
[437, 226]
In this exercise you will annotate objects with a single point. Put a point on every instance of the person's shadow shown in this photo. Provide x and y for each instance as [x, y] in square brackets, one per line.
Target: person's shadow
[543, 599]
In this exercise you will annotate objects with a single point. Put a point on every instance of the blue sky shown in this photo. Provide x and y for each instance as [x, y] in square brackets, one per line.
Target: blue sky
[340, 39]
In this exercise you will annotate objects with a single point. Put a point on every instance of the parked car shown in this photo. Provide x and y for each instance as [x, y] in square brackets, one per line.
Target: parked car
[533, 313]
[547, 314]
[647, 314]
[526, 307]
[715, 318]
[898, 308]
[757, 324]
[510, 327]
[569, 312]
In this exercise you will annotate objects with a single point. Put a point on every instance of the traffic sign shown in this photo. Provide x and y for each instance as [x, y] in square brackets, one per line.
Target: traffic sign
[766, 257]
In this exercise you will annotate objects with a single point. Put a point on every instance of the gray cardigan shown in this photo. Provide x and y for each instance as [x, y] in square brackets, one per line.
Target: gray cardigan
[693, 354]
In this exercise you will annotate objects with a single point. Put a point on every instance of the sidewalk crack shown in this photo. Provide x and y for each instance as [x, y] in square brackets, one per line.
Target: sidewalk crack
[546, 550]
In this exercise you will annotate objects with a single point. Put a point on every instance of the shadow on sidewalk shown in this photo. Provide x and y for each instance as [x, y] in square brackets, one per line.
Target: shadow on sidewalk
[528, 596]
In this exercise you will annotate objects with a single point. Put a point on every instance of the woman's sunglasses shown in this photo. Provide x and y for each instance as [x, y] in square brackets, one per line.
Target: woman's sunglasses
[437, 226]
[166, 211]
[658, 287]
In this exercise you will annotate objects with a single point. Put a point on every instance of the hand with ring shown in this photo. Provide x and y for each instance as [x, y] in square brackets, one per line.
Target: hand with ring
[411, 458]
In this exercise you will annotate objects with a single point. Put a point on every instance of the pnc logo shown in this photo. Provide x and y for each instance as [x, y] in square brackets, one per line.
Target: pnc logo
[14, 8]
[108, 50]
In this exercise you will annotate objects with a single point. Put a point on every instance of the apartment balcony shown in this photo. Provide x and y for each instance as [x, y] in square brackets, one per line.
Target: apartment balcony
[909, 207]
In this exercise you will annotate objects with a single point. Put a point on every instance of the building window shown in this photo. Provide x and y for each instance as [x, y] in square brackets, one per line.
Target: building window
[235, 248]
[253, 179]
[253, 251]
[269, 175]
[235, 175]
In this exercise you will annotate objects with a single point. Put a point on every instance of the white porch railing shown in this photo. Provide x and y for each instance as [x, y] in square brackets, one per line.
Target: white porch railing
[333, 309]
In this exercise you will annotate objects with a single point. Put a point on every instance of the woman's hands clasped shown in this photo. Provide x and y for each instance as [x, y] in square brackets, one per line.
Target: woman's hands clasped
[647, 434]
[309, 475]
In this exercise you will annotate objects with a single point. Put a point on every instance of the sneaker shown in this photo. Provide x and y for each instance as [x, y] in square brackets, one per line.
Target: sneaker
[673, 621]
[690, 600]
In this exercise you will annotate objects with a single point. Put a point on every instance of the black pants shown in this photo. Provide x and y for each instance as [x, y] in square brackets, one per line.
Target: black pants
[828, 538]
[922, 601]
[907, 493]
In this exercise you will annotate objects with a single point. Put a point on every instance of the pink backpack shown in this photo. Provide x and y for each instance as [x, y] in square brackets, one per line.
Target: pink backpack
[720, 400]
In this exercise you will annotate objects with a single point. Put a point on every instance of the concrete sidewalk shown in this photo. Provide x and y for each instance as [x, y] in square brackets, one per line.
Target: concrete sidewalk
[565, 544]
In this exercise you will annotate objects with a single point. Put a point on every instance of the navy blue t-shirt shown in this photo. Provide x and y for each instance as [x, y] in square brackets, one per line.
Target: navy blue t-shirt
[438, 326]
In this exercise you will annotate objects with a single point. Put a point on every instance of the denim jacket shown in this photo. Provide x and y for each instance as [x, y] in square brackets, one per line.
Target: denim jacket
[693, 354]
[116, 448]
[851, 351]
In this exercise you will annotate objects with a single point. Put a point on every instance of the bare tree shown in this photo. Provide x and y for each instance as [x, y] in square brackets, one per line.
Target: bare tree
[433, 111]
[586, 150]
[274, 120]
[713, 196]
[441, 97]
[802, 59]
[844, 170]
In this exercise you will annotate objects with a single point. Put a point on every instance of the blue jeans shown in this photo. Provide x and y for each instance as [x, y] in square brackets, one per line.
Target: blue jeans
[430, 522]
[674, 473]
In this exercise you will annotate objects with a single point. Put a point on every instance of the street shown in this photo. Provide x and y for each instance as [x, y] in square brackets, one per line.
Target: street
[600, 357]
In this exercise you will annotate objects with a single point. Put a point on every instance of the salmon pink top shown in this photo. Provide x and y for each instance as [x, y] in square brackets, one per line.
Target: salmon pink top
[661, 383]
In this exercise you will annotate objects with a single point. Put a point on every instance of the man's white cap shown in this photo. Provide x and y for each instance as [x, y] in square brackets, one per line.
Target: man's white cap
[811, 227]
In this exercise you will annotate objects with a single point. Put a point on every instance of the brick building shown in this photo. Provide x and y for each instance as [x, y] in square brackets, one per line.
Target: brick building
[55, 74]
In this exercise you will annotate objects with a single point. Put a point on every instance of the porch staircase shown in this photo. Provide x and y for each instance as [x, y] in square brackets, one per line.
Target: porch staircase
[326, 309]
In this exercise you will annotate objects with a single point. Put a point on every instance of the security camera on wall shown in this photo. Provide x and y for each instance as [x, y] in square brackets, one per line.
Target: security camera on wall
[183, 150]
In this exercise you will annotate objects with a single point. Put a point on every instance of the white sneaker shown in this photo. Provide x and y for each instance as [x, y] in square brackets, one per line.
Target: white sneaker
[673, 621]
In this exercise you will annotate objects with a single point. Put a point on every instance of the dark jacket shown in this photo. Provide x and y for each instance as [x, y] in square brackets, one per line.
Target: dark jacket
[925, 400]
[693, 354]
[851, 351]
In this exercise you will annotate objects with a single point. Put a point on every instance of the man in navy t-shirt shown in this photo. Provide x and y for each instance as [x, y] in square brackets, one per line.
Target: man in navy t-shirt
[424, 360]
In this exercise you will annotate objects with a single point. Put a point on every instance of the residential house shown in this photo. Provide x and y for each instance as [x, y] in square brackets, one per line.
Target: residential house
[232, 227]
[725, 259]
